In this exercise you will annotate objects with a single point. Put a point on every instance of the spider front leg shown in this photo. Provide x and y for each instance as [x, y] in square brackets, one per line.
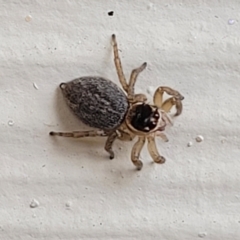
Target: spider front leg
[157, 158]
[80, 134]
[169, 103]
[175, 100]
[118, 64]
[133, 79]
[137, 147]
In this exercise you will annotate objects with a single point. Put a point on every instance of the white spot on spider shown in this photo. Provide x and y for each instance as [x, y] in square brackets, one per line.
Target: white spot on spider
[199, 138]
[147, 128]
[153, 120]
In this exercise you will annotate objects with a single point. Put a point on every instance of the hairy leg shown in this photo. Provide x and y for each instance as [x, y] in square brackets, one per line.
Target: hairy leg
[137, 147]
[133, 79]
[118, 65]
[108, 145]
[80, 134]
[157, 158]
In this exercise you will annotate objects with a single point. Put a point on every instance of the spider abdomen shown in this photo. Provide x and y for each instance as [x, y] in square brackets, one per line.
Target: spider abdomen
[96, 101]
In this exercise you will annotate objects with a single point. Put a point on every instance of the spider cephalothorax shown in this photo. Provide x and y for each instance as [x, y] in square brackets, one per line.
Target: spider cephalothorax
[144, 117]
[116, 114]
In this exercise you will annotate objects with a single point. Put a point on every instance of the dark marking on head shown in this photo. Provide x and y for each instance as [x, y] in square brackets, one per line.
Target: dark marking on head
[144, 118]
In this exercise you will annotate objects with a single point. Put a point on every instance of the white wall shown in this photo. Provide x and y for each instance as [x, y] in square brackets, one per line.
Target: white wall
[79, 192]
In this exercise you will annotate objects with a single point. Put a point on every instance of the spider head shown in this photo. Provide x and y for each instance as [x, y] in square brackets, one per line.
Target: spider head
[146, 118]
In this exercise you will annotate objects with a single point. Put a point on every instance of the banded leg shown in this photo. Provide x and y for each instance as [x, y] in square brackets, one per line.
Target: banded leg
[157, 158]
[80, 134]
[169, 103]
[137, 147]
[108, 145]
[133, 79]
[118, 64]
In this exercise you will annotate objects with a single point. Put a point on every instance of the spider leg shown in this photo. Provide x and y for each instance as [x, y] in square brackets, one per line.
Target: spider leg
[157, 158]
[80, 134]
[137, 147]
[124, 136]
[174, 101]
[162, 135]
[133, 79]
[108, 145]
[140, 97]
[118, 64]
[169, 103]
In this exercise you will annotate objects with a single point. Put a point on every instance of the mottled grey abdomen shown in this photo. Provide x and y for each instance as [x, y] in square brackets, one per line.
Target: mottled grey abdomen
[98, 102]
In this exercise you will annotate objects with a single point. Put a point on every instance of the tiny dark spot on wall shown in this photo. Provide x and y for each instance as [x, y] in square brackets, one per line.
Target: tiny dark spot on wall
[110, 13]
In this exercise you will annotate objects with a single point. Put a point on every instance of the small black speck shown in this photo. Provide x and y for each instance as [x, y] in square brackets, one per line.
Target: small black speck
[110, 13]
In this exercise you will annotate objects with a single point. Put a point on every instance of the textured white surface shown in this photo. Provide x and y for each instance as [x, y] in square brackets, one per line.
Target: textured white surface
[55, 188]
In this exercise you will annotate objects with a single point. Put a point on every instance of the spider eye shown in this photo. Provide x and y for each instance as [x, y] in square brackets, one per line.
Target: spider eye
[144, 118]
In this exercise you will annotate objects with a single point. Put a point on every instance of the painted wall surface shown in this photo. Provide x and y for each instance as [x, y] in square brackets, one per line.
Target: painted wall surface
[61, 188]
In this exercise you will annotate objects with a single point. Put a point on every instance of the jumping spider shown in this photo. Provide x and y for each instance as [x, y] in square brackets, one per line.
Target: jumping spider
[116, 114]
